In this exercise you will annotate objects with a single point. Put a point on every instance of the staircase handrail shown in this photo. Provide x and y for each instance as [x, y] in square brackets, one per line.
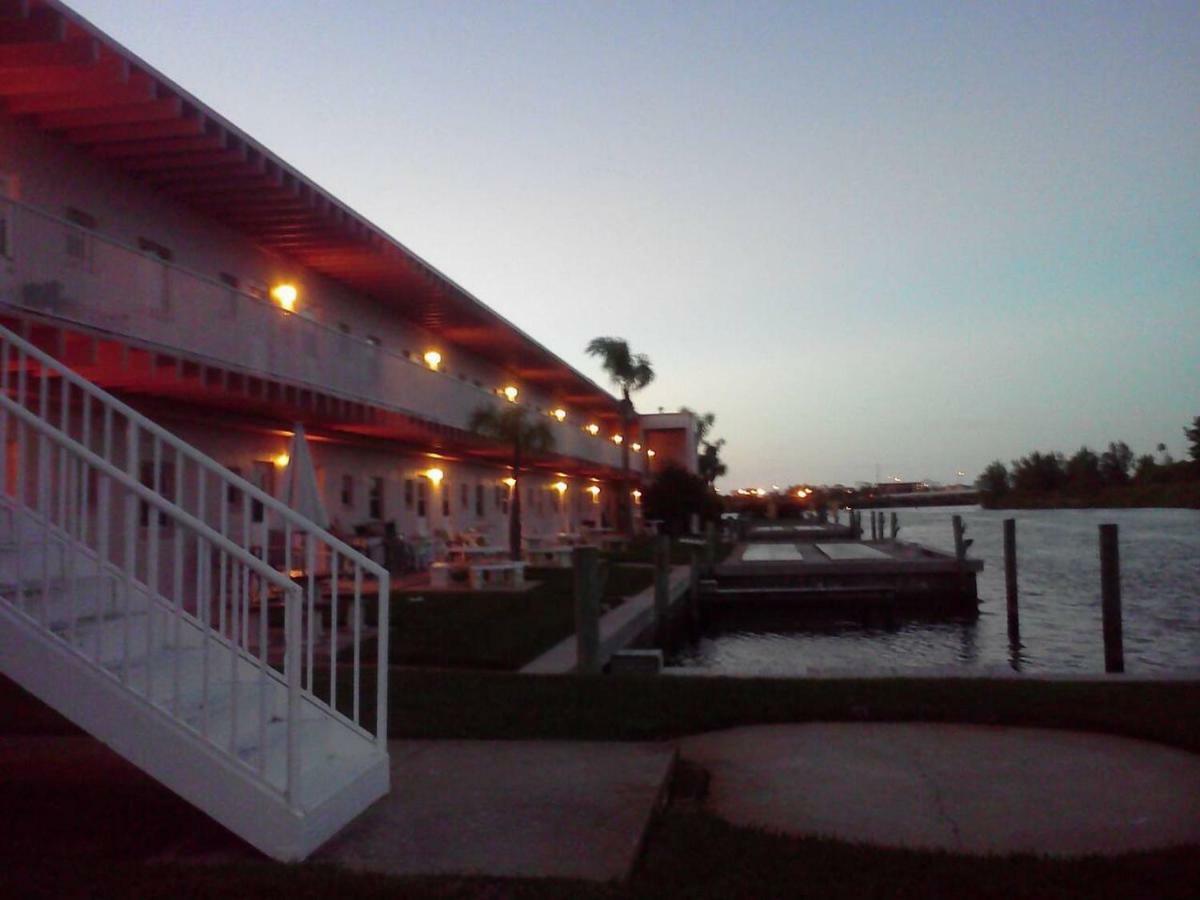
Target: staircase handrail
[290, 590]
[148, 496]
[197, 456]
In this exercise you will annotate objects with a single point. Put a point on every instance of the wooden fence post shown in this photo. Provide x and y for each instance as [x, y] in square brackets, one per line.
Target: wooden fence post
[1110, 594]
[586, 562]
[1010, 578]
[662, 585]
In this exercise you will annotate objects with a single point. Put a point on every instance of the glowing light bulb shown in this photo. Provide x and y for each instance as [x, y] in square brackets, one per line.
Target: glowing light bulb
[510, 394]
[281, 460]
[510, 481]
[433, 359]
[593, 429]
[285, 295]
[559, 414]
[435, 475]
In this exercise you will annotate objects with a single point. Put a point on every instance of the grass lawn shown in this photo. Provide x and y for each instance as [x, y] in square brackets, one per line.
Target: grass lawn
[495, 630]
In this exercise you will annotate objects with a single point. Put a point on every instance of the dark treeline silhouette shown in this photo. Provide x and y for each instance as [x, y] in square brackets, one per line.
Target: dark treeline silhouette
[1088, 478]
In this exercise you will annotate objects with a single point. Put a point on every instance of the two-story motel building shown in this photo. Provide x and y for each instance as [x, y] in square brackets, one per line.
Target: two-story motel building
[167, 256]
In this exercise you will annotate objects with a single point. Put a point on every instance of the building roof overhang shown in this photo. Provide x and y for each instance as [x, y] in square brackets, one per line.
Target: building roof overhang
[65, 76]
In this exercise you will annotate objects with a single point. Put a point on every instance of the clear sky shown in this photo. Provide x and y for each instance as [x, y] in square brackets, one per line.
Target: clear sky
[912, 236]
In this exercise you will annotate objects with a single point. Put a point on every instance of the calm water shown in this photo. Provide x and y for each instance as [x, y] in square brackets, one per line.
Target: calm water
[1059, 580]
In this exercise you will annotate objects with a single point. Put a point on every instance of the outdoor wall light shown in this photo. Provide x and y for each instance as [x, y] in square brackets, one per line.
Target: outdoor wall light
[559, 414]
[433, 359]
[560, 486]
[281, 460]
[511, 482]
[594, 490]
[593, 429]
[637, 496]
[435, 476]
[637, 448]
[285, 295]
[650, 453]
[617, 439]
[510, 394]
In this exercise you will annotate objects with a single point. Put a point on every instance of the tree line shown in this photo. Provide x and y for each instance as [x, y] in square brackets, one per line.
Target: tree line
[1088, 472]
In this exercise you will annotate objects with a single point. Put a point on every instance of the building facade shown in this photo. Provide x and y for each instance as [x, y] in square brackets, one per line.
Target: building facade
[165, 255]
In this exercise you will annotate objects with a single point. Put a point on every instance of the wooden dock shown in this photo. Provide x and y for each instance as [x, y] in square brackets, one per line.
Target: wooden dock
[846, 576]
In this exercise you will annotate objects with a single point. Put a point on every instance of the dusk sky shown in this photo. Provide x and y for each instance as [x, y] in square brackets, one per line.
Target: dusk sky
[915, 236]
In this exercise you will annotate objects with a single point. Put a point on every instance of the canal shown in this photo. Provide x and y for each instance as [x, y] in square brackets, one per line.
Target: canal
[1060, 605]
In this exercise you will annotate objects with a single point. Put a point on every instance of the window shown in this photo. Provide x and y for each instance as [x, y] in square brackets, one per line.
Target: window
[408, 493]
[347, 490]
[375, 499]
[465, 491]
[79, 242]
[422, 494]
[505, 493]
[233, 493]
[479, 499]
[445, 498]
[154, 248]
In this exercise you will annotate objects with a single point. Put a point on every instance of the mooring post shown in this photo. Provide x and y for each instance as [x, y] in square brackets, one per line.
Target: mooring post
[586, 562]
[1010, 577]
[1110, 594]
[874, 527]
[895, 526]
[694, 593]
[960, 545]
[662, 584]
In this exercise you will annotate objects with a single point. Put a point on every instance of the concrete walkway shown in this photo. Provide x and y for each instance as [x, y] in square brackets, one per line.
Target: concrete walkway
[533, 809]
[619, 627]
[973, 789]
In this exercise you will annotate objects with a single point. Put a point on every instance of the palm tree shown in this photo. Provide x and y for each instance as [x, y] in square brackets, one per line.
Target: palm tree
[509, 426]
[630, 372]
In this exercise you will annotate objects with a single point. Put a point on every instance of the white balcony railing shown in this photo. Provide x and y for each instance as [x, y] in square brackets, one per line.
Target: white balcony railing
[53, 267]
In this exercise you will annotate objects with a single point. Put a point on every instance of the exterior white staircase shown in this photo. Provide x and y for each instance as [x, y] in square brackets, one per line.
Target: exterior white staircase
[175, 611]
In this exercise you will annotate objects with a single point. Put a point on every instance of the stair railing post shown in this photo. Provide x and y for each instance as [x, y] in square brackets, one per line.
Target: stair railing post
[382, 664]
[292, 668]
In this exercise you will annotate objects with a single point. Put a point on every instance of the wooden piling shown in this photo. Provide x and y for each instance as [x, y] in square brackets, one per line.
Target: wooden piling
[662, 584]
[693, 595]
[1110, 598]
[960, 545]
[895, 526]
[874, 527]
[1010, 577]
[586, 562]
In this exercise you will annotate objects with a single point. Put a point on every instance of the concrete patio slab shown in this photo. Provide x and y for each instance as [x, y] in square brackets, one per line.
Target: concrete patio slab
[509, 808]
[973, 789]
